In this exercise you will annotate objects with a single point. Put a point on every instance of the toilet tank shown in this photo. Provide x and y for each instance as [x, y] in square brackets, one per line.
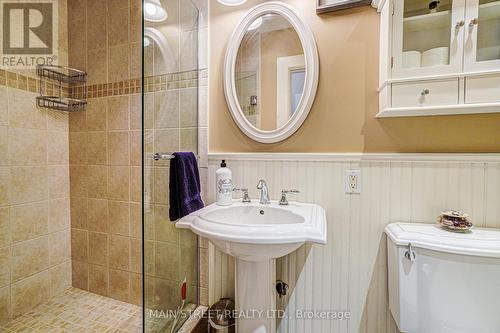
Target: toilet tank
[450, 283]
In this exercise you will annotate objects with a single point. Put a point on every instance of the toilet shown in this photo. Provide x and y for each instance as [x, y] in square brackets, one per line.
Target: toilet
[443, 282]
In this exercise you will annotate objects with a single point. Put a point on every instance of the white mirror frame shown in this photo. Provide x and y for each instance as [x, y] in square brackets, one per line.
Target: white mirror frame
[311, 77]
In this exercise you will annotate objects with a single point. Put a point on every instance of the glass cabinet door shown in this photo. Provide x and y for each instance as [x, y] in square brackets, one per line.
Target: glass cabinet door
[482, 44]
[427, 37]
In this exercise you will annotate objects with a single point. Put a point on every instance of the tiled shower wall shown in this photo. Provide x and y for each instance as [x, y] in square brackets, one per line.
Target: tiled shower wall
[105, 149]
[34, 193]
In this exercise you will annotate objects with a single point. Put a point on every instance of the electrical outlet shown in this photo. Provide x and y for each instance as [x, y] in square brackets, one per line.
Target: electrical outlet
[353, 181]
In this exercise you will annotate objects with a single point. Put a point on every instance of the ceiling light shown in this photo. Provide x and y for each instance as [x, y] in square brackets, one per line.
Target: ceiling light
[154, 11]
[232, 2]
[255, 24]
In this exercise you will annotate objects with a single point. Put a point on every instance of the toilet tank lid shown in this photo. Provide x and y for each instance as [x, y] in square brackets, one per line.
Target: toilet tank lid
[479, 242]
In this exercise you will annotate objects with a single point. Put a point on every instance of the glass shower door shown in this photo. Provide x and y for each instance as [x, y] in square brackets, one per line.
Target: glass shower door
[170, 124]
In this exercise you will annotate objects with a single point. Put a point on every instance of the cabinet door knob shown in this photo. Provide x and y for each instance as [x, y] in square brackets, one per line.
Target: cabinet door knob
[473, 22]
[425, 92]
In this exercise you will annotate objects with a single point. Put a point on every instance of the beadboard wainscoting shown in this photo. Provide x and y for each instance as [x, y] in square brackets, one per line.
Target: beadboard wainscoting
[350, 272]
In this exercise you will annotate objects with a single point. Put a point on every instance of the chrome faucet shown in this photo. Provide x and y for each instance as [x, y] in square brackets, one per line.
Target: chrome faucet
[264, 192]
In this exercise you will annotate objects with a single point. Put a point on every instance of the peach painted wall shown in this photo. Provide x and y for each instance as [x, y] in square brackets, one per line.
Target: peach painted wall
[343, 116]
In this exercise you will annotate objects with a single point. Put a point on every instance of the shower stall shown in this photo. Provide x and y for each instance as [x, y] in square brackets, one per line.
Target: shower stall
[86, 136]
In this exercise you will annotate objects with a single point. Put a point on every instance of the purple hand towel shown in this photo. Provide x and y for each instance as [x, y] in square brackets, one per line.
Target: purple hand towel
[185, 190]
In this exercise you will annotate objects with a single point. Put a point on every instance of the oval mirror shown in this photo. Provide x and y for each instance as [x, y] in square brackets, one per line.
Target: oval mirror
[271, 72]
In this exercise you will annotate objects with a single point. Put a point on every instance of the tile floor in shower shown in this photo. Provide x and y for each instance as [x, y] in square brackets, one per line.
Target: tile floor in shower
[79, 311]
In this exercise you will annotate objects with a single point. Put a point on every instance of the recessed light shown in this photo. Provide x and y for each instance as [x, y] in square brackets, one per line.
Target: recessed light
[232, 2]
[154, 11]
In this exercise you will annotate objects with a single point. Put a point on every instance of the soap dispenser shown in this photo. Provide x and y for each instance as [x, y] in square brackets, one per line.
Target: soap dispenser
[224, 185]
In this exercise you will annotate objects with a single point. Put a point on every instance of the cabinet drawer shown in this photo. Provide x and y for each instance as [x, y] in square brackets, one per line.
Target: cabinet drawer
[425, 93]
[484, 89]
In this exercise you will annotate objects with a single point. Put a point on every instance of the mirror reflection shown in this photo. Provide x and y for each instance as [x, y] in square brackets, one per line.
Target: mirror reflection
[270, 72]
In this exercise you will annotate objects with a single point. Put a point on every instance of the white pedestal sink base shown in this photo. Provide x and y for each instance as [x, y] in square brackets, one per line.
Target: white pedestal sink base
[255, 296]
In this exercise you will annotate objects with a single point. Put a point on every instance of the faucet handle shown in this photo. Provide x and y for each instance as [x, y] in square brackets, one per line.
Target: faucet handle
[246, 197]
[261, 183]
[283, 200]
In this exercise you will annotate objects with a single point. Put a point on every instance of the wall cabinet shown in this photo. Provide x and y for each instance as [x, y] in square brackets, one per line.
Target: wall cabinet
[439, 57]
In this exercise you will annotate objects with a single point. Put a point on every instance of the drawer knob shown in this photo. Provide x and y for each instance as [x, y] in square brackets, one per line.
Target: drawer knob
[425, 92]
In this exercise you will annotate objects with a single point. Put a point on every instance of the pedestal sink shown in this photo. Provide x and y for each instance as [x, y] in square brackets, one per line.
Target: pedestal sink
[256, 235]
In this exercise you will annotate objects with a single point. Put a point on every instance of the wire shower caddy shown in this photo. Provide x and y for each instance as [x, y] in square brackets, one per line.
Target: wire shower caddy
[62, 88]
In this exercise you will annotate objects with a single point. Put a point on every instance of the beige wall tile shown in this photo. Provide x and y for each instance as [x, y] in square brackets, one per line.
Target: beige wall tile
[97, 149]
[135, 112]
[23, 112]
[80, 274]
[149, 258]
[3, 107]
[78, 212]
[4, 226]
[97, 181]
[59, 181]
[4, 186]
[189, 106]
[136, 255]
[118, 182]
[60, 278]
[119, 252]
[29, 221]
[78, 121]
[135, 21]
[59, 215]
[135, 184]
[30, 292]
[119, 217]
[96, 114]
[167, 256]
[135, 148]
[97, 64]
[78, 181]
[22, 141]
[135, 220]
[5, 314]
[119, 285]
[29, 257]
[118, 32]
[118, 113]
[166, 293]
[135, 60]
[97, 215]
[118, 148]
[118, 61]
[28, 184]
[58, 149]
[59, 247]
[166, 140]
[189, 139]
[79, 245]
[98, 280]
[161, 185]
[77, 38]
[166, 109]
[164, 229]
[204, 268]
[78, 142]
[96, 29]
[135, 289]
[4, 145]
[5, 264]
[57, 121]
[98, 248]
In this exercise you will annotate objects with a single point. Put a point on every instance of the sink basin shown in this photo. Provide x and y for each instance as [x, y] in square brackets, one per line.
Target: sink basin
[256, 235]
[255, 232]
